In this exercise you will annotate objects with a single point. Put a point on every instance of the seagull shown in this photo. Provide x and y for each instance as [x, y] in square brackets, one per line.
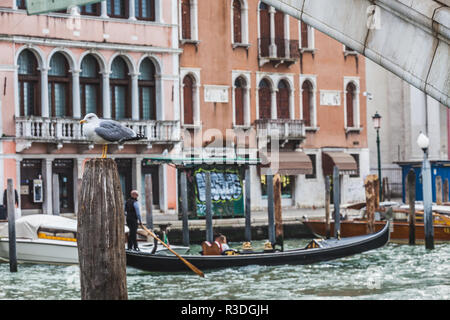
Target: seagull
[107, 131]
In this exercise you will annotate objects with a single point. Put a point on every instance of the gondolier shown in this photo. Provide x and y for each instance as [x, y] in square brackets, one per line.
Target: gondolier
[133, 215]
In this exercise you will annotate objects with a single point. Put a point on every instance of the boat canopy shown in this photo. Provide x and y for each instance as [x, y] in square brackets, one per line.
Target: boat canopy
[27, 227]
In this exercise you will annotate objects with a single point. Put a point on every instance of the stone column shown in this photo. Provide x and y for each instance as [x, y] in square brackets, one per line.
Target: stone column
[76, 94]
[44, 93]
[194, 19]
[247, 116]
[106, 95]
[104, 10]
[134, 96]
[131, 10]
[273, 103]
[272, 46]
[292, 104]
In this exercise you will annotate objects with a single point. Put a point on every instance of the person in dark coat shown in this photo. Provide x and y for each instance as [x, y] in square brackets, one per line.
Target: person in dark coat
[133, 216]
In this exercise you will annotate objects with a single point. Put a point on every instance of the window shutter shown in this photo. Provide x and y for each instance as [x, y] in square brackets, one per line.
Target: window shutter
[304, 30]
[283, 101]
[188, 100]
[186, 19]
[237, 21]
[350, 97]
[264, 95]
[306, 100]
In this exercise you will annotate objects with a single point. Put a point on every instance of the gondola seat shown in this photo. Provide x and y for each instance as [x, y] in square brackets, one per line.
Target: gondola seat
[211, 249]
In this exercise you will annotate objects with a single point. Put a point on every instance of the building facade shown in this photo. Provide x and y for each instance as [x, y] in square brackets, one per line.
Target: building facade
[118, 59]
[249, 69]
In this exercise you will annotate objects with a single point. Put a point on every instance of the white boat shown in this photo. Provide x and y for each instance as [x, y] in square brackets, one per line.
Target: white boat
[51, 239]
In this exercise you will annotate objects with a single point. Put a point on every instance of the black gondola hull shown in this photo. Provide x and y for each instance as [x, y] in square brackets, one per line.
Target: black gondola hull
[333, 249]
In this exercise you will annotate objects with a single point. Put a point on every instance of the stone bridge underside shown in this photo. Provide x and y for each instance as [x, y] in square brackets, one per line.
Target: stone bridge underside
[407, 37]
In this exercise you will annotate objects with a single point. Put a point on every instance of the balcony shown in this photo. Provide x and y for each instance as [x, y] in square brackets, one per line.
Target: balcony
[281, 129]
[277, 52]
[66, 130]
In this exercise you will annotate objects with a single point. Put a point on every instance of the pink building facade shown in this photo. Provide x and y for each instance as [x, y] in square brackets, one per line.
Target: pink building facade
[118, 59]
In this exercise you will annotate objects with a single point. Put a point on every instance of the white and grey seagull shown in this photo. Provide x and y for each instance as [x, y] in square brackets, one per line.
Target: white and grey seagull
[107, 131]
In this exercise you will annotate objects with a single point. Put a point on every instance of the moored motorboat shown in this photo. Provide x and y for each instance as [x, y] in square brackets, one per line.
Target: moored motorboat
[322, 251]
[52, 239]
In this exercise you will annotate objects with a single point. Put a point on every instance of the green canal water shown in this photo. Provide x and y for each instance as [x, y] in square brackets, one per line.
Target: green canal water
[392, 272]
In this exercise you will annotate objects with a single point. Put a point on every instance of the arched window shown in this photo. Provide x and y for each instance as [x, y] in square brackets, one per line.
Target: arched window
[59, 92]
[264, 98]
[147, 93]
[188, 100]
[119, 90]
[186, 19]
[29, 80]
[264, 29]
[239, 103]
[307, 103]
[237, 21]
[117, 8]
[350, 98]
[283, 100]
[144, 9]
[90, 84]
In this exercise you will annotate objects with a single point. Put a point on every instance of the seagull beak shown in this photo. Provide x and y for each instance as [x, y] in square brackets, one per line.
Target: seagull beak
[83, 121]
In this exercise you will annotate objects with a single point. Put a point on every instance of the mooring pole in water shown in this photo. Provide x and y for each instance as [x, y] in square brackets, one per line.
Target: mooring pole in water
[371, 187]
[270, 207]
[55, 194]
[208, 216]
[445, 188]
[427, 203]
[184, 207]
[101, 234]
[149, 201]
[327, 206]
[248, 211]
[10, 198]
[336, 202]
[278, 211]
[438, 182]
[411, 183]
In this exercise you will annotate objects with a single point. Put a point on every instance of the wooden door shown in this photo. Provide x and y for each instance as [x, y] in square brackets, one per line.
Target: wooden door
[64, 169]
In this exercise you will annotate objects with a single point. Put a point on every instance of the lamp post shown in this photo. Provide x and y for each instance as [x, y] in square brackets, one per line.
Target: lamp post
[376, 118]
[424, 143]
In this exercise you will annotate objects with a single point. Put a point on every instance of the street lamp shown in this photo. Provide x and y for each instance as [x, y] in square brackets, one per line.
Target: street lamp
[376, 118]
[423, 142]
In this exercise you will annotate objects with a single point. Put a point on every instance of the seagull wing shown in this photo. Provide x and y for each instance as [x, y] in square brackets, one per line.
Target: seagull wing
[113, 131]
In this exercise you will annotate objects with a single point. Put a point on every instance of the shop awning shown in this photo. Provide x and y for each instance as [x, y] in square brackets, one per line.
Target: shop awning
[289, 163]
[344, 161]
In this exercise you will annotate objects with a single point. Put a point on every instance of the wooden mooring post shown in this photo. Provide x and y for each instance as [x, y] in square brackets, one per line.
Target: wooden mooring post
[411, 195]
[10, 198]
[149, 201]
[446, 190]
[278, 211]
[208, 215]
[371, 187]
[327, 207]
[438, 190]
[270, 208]
[337, 203]
[55, 195]
[427, 203]
[248, 210]
[184, 207]
[101, 235]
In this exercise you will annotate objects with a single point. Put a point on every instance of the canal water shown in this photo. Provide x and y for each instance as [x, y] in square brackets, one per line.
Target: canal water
[392, 272]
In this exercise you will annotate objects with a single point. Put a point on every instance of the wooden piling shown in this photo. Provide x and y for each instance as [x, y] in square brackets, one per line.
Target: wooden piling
[327, 206]
[184, 207]
[427, 204]
[10, 198]
[411, 196]
[101, 236]
[270, 208]
[278, 210]
[208, 215]
[438, 190]
[149, 201]
[336, 202]
[248, 211]
[371, 188]
[446, 190]
[55, 194]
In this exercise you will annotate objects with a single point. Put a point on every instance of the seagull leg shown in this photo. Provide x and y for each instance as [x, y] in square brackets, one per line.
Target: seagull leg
[104, 151]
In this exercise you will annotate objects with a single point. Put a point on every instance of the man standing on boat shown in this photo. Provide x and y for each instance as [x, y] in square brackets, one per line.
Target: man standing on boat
[133, 215]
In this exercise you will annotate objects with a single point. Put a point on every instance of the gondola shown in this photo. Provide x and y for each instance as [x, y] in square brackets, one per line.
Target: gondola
[315, 251]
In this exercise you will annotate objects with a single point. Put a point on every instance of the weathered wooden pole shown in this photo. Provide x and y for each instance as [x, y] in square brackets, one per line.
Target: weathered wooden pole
[438, 190]
[371, 199]
[184, 207]
[55, 194]
[278, 211]
[149, 201]
[427, 203]
[327, 206]
[101, 236]
[336, 202]
[10, 198]
[411, 183]
[248, 210]
[270, 208]
[208, 215]
[446, 190]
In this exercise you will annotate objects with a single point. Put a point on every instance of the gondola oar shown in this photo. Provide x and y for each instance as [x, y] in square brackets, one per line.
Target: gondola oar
[190, 265]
